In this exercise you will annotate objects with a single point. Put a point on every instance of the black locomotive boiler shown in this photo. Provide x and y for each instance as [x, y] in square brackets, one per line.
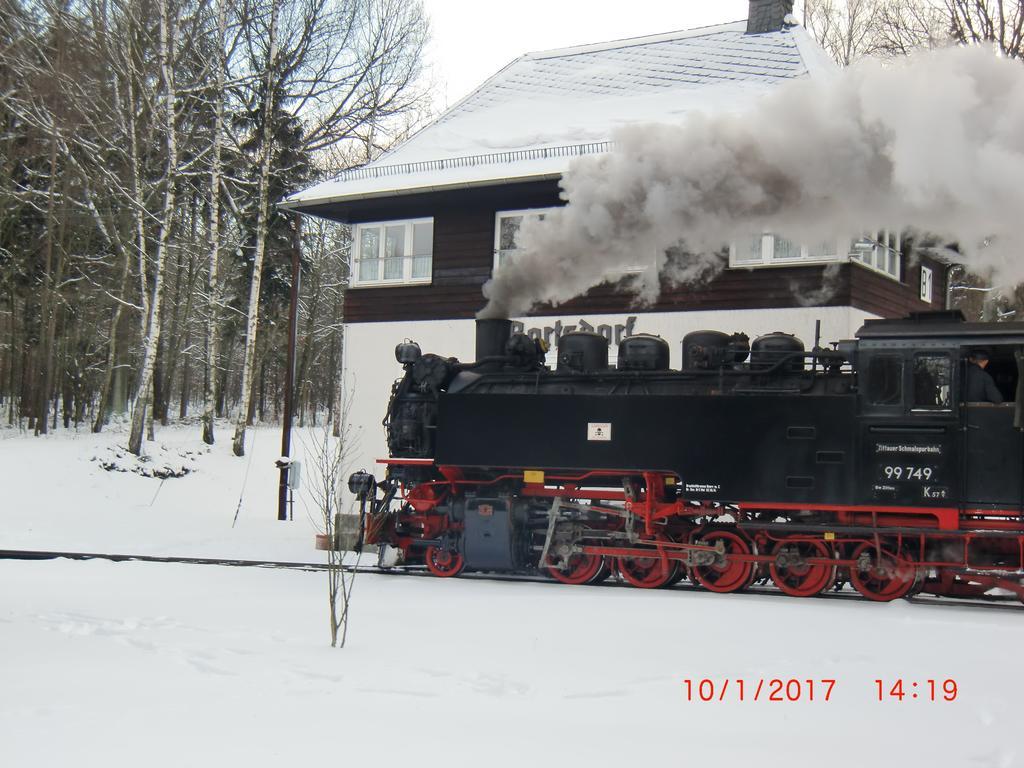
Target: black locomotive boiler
[859, 463]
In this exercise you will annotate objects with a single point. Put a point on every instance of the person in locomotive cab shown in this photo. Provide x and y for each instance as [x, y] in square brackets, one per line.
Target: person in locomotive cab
[979, 386]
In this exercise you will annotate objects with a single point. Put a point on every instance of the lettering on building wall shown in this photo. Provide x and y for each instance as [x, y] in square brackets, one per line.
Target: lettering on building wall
[552, 333]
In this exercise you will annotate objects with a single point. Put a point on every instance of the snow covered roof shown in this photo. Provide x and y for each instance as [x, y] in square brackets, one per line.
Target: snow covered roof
[530, 119]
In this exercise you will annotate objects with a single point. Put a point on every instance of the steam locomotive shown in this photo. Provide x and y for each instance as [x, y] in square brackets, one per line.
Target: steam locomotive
[856, 463]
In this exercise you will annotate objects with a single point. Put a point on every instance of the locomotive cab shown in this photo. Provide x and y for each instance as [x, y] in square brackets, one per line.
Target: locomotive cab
[922, 441]
[993, 443]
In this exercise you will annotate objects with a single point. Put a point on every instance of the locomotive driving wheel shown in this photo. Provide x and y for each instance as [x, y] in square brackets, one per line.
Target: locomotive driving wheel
[648, 572]
[578, 569]
[880, 574]
[443, 562]
[792, 573]
[725, 573]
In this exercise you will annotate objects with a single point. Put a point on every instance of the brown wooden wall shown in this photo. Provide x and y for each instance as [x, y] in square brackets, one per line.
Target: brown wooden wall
[883, 296]
[464, 254]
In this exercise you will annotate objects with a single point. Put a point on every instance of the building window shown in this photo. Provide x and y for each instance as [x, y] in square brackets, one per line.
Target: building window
[394, 252]
[879, 251]
[506, 232]
[926, 284]
[768, 249]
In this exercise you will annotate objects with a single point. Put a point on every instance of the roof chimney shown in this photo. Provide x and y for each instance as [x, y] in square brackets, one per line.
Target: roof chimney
[767, 15]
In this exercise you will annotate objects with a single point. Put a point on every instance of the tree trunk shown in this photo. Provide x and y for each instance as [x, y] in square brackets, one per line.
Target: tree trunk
[266, 156]
[14, 358]
[48, 309]
[173, 349]
[186, 380]
[119, 396]
[224, 370]
[158, 377]
[213, 287]
[152, 340]
[338, 368]
[108, 375]
[66, 384]
[336, 384]
[263, 392]
[165, 363]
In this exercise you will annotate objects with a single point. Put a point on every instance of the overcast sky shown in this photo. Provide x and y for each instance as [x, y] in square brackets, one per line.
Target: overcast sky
[473, 39]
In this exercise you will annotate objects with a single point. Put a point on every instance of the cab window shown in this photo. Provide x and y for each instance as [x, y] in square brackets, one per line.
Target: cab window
[1002, 367]
[933, 382]
[885, 380]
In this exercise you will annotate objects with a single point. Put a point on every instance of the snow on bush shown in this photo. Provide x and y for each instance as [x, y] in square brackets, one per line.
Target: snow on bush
[161, 461]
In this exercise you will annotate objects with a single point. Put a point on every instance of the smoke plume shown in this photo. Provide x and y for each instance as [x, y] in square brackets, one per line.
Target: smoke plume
[933, 143]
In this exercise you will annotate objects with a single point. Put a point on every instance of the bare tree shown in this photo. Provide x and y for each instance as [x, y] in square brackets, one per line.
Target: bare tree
[265, 154]
[214, 290]
[152, 336]
[51, 272]
[327, 458]
[908, 25]
[365, 56]
[989, 21]
[849, 29]
[846, 29]
[133, 146]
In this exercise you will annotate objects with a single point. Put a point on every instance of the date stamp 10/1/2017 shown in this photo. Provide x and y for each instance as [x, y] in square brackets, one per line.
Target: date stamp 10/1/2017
[794, 689]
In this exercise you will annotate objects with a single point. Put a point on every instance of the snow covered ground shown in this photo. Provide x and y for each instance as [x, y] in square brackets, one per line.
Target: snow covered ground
[57, 497]
[192, 665]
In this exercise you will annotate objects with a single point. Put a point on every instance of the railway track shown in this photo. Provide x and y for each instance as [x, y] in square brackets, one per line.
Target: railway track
[986, 603]
[29, 554]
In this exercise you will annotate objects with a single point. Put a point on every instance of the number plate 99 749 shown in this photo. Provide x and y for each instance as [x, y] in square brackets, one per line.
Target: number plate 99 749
[908, 473]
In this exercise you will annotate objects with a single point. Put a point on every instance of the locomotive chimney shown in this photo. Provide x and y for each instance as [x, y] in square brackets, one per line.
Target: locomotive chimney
[491, 336]
[767, 15]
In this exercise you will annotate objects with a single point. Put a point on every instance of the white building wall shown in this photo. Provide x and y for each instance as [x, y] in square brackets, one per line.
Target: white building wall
[370, 367]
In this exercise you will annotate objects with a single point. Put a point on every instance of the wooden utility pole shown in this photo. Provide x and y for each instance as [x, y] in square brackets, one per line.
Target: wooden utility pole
[289, 379]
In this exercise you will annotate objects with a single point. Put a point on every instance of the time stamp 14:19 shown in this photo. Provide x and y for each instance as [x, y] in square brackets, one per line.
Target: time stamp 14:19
[813, 689]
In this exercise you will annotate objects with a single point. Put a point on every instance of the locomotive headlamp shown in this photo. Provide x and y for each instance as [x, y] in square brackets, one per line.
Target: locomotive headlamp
[361, 483]
[408, 352]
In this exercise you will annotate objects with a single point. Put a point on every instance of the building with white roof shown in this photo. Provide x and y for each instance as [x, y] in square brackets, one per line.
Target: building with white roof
[434, 217]
[530, 119]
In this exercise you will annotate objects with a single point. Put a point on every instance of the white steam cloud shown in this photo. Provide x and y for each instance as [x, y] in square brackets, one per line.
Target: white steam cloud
[934, 142]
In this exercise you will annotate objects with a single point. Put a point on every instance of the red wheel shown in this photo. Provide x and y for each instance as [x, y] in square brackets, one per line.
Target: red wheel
[647, 572]
[882, 578]
[443, 562]
[794, 575]
[580, 569]
[725, 574]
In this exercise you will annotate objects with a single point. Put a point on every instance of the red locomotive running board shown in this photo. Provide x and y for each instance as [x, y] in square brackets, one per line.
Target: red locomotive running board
[946, 518]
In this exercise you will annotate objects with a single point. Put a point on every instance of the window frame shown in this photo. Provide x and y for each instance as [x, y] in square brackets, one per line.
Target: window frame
[951, 363]
[768, 254]
[407, 260]
[879, 355]
[846, 251]
[858, 256]
[496, 260]
[633, 269]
